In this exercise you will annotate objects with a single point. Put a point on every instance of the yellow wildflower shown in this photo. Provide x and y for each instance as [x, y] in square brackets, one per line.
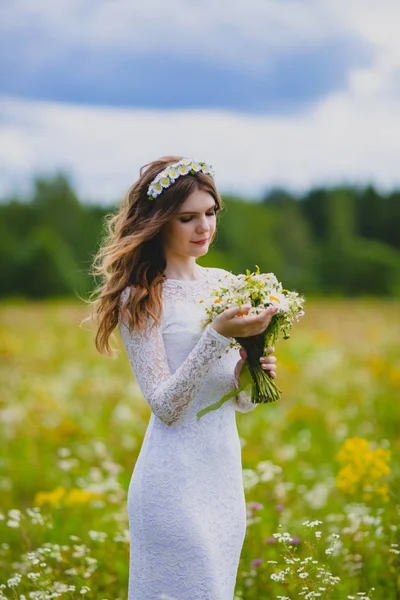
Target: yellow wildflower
[53, 498]
[363, 469]
[60, 496]
[77, 496]
[376, 365]
[394, 375]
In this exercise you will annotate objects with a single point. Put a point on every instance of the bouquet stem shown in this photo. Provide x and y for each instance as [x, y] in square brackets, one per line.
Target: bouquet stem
[253, 376]
[264, 389]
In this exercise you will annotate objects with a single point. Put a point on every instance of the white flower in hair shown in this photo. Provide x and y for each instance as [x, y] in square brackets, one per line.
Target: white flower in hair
[206, 169]
[183, 169]
[169, 175]
[165, 182]
[173, 173]
[155, 189]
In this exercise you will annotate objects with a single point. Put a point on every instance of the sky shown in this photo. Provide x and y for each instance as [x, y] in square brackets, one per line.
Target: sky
[272, 93]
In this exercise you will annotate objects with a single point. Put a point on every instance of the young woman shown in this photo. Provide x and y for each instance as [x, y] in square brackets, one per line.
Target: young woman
[186, 502]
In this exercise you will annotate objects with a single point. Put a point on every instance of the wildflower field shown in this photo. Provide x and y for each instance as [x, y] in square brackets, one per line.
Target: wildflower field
[320, 467]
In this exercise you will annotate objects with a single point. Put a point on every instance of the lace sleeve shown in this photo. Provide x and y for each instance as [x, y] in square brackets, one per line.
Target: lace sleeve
[169, 395]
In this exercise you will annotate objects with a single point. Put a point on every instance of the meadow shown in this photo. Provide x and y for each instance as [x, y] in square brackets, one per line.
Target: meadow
[320, 467]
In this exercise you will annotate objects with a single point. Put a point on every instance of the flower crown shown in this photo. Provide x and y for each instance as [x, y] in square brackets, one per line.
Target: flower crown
[184, 167]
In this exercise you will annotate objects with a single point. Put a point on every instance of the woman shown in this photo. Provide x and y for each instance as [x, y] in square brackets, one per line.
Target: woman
[186, 502]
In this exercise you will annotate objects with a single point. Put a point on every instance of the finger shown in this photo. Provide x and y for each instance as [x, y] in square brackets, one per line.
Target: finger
[269, 313]
[262, 320]
[235, 311]
[267, 367]
[270, 349]
[244, 309]
[243, 353]
[240, 363]
[268, 359]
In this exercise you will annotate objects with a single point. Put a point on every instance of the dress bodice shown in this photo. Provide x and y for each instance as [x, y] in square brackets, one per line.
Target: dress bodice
[181, 366]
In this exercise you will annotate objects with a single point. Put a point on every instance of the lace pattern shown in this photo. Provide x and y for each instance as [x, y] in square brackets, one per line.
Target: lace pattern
[167, 393]
[186, 502]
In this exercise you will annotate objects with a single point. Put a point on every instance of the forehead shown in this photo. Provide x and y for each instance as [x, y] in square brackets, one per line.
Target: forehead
[198, 201]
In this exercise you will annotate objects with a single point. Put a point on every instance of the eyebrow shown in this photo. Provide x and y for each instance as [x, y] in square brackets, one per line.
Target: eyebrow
[196, 213]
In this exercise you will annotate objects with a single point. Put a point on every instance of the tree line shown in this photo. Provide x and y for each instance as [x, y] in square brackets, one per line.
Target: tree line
[341, 241]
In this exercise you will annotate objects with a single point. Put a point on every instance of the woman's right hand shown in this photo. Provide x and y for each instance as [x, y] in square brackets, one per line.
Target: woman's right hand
[236, 322]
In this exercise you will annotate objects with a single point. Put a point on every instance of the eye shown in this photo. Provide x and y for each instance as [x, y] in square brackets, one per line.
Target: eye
[187, 219]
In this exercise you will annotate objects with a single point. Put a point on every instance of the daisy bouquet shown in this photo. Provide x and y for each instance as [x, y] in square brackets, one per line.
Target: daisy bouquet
[260, 290]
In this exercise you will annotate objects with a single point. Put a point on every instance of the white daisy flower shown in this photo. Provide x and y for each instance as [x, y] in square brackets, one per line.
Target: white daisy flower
[156, 189]
[185, 162]
[278, 300]
[196, 166]
[183, 170]
[207, 169]
[165, 182]
[173, 173]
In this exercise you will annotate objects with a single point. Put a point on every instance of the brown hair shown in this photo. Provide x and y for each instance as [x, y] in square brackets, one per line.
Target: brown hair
[130, 253]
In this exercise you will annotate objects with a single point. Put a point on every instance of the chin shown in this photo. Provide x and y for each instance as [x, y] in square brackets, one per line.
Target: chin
[201, 250]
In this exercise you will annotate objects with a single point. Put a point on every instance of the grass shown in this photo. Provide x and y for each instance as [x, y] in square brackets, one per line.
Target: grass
[72, 423]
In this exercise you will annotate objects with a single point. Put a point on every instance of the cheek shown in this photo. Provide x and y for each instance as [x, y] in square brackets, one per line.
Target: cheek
[180, 231]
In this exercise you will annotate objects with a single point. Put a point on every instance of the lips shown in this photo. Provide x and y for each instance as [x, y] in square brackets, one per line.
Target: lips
[201, 241]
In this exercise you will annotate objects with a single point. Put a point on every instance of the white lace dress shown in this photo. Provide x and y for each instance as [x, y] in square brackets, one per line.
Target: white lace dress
[186, 503]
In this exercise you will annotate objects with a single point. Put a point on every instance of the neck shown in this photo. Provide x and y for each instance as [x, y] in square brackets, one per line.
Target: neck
[184, 271]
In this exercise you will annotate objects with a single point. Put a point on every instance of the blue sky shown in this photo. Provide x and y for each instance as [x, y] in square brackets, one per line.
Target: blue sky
[260, 76]
[293, 90]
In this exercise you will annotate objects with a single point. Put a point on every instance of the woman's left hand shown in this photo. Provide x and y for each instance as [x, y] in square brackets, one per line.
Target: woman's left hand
[268, 363]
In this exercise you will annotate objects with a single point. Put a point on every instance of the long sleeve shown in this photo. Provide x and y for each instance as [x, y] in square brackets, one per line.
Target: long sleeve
[169, 395]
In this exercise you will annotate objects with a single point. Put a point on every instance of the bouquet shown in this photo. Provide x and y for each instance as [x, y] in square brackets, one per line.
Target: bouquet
[261, 290]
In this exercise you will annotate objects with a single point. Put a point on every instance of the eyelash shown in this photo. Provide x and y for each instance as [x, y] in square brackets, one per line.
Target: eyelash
[187, 219]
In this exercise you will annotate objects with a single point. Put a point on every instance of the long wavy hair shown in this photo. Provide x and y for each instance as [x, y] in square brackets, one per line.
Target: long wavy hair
[131, 253]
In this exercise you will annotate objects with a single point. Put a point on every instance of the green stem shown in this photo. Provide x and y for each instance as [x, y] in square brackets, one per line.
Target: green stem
[253, 377]
[218, 404]
[264, 389]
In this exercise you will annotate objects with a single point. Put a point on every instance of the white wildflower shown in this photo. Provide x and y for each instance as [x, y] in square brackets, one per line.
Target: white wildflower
[312, 523]
[14, 581]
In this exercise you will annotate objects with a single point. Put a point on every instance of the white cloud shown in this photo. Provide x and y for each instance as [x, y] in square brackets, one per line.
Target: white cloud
[377, 24]
[349, 136]
[352, 136]
[226, 32]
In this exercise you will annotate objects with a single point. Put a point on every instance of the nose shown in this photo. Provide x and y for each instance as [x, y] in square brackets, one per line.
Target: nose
[203, 225]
